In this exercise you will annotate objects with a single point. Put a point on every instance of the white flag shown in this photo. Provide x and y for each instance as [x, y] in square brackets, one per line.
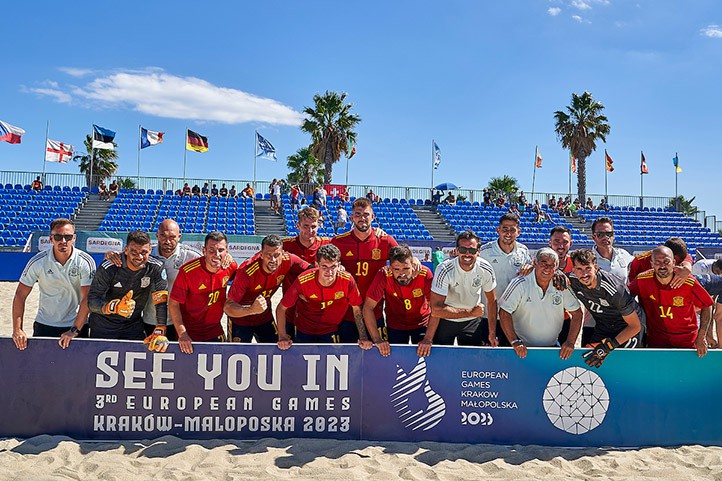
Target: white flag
[58, 151]
[437, 156]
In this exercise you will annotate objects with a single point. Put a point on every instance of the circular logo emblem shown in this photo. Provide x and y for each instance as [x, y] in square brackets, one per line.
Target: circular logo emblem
[576, 400]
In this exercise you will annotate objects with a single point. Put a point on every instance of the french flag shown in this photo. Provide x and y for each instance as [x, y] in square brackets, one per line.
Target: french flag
[10, 133]
[149, 138]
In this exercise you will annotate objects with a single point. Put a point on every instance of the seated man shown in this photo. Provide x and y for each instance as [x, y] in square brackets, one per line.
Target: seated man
[671, 316]
[532, 309]
[224, 191]
[248, 192]
[37, 184]
[436, 198]
[196, 191]
[450, 199]
[103, 191]
[214, 191]
[233, 193]
[187, 189]
[205, 192]
[113, 189]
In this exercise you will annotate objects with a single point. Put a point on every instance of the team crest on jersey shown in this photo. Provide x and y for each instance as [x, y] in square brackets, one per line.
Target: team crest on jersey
[74, 271]
[177, 262]
[338, 295]
[144, 282]
[603, 302]
[476, 282]
[516, 261]
[557, 299]
[225, 280]
[678, 301]
[417, 292]
[279, 279]
[376, 254]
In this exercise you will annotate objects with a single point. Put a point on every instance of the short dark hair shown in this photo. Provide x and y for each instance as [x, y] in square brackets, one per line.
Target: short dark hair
[602, 220]
[400, 253]
[511, 217]
[329, 252]
[139, 237]
[584, 257]
[678, 247]
[60, 222]
[467, 235]
[362, 202]
[560, 228]
[215, 236]
[271, 240]
[718, 264]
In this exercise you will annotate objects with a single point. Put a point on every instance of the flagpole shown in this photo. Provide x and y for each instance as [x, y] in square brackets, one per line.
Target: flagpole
[139, 135]
[92, 154]
[45, 154]
[185, 155]
[641, 182]
[533, 178]
[570, 174]
[347, 170]
[676, 174]
[255, 157]
[432, 167]
[606, 171]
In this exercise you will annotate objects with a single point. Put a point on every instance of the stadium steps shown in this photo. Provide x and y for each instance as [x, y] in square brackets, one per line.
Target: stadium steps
[91, 214]
[433, 222]
[266, 221]
[583, 226]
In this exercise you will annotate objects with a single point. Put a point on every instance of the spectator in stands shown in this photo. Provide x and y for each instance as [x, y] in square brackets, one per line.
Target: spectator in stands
[514, 209]
[178, 192]
[187, 189]
[205, 192]
[344, 195]
[37, 184]
[196, 190]
[603, 204]
[113, 189]
[371, 196]
[248, 192]
[450, 199]
[341, 218]
[500, 201]
[671, 317]
[275, 189]
[214, 191]
[487, 198]
[536, 209]
[319, 200]
[436, 198]
[522, 201]
[63, 274]
[296, 194]
[233, 193]
[590, 204]
[224, 191]
[532, 309]
[437, 257]
[103, 191]
[552, 202]
[577, 203]
[572, 209]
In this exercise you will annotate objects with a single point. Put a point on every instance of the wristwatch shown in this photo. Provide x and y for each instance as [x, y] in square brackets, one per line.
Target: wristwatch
[74, 330]
[516, 342]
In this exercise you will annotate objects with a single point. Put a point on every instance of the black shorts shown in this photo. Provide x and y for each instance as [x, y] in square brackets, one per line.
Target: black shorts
[264, 333]
[43, 330]
[349, 333]
[330, 338]
[403, 336]
[474, 332]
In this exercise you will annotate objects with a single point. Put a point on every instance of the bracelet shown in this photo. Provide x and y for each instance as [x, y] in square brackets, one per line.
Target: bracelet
[516, 342]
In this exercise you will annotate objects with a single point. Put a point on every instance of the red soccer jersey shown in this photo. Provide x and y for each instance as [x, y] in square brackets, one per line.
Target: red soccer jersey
[319, 310]
[671, 316]
[406, 307]
[308, 254]
[201, 295]
[251, 281]
[643, 262]
[363, 259]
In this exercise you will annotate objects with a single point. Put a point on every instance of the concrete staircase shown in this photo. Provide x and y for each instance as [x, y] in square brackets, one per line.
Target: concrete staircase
[434, 223]
[91, 214]
[578, 223]
[266, 221]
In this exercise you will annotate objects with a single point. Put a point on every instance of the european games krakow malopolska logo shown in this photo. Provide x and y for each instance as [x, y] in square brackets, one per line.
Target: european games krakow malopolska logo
[432, 407]
[576, 400]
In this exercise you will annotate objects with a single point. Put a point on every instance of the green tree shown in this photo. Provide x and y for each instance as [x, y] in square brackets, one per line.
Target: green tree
[304, 168]
[507, 185]
[578, 129]
[680, 204]
[330, 123]
[104, 165]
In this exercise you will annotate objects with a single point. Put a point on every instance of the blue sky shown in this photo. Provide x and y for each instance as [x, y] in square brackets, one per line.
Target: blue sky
[482, 78]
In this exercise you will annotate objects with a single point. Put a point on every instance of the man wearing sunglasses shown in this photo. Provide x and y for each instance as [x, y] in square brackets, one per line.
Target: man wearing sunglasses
[63, 275]
[611, 259]
[456, 295]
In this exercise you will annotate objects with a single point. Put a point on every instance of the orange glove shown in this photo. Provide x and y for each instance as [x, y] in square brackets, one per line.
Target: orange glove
[122, 307]
[157, 341]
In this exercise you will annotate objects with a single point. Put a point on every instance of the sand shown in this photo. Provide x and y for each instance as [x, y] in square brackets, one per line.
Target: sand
[169, 458]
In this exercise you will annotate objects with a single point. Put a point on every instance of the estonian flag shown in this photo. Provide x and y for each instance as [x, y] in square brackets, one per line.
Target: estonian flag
[149, 138]
[103, 138]
[196, 142]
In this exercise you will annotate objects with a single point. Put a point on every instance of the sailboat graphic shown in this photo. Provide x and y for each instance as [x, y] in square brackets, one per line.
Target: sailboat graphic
[432, 408]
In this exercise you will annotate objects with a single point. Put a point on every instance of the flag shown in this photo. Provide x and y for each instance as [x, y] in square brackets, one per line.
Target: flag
[351, 149]
[644, 165]
[149, 138]
[10, 133]
[608, 161]
[538, 159]
[677, 168]
[437, 156]
[103, 138]
[264, 148]
[58, 152]
[573, 160]
[196, 142]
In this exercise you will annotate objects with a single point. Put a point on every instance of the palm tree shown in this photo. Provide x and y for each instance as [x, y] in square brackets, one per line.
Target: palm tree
[330, 124]
[506, 185]
[578, 129]
[104, 165]
[680, 204]
[304, 168]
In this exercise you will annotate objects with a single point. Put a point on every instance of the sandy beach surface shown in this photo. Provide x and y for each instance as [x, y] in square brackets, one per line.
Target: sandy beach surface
[169, 458]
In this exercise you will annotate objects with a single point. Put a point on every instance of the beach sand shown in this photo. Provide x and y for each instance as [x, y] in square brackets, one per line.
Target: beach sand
[169, 458]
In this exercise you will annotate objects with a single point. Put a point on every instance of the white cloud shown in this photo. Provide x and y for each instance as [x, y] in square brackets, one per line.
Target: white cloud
[711, 31]
[581, 5]
[155, 92]
[577, 18]
[75, 72]
[49, 89]
[554, 11]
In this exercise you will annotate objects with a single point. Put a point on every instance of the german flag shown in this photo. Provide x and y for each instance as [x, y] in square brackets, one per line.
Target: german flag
[196, 142]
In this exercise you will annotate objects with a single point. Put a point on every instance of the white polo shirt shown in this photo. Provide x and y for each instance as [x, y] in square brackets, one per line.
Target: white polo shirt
[182, 254]
[619, 265]
[703, 267]
[59, 285]
[506, 266]
[463, 288]
[538, 317]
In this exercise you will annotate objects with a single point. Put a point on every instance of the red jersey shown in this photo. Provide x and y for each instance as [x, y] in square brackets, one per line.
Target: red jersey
[643, 262]
[671, 316]
[251, 281]
[319, 309]
[406, 307]
[201, 295]
[363, 259]
[568, 266]
[308, 254]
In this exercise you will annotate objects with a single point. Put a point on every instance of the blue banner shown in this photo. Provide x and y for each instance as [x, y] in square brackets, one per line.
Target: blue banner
[119, 390]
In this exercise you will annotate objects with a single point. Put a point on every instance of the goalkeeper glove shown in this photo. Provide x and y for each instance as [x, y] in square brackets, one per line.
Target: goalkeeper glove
[596, 356]
[157, 341]
[122, 307]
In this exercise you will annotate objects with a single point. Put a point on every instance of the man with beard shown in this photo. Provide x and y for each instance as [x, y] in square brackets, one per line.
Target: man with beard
[456, 295]
[682, 262]
[406, 304]
[618, 317]
[560, 240]
[509, 259]
[671, 316]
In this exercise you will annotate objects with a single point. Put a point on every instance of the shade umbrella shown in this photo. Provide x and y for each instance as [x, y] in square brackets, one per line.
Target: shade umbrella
[446, 186]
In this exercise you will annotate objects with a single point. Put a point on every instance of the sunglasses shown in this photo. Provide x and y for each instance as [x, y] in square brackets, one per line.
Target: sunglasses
[66, 237]
[604, 234]
[467, 250]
